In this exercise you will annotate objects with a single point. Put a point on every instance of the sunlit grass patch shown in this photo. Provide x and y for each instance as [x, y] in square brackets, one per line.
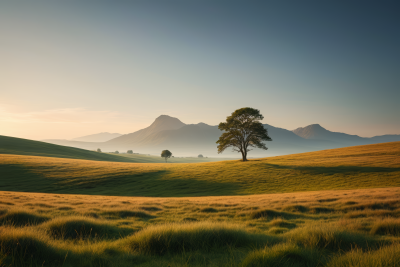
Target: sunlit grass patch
[332, 238]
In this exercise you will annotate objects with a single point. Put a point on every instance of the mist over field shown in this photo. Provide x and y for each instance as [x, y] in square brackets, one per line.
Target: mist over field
[186, 140]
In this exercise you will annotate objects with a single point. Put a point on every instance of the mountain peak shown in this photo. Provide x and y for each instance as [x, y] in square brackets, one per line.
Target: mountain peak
[165, 122]
[312, 131]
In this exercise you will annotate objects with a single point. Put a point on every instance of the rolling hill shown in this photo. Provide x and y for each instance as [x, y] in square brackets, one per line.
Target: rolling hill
[192, 139]
[19, 146]
[366, 166]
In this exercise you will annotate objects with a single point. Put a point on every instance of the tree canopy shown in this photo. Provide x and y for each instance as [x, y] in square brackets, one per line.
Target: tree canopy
[166, 154]
[242, 130]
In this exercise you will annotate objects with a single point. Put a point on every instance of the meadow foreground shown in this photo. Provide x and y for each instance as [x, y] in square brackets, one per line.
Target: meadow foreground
[325, 228]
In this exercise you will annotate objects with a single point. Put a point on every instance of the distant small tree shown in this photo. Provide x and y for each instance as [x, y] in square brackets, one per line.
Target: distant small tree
[98, 150]
[116, 152]
[166, 154]
[200, 156]
[242, 130]
[129, 152]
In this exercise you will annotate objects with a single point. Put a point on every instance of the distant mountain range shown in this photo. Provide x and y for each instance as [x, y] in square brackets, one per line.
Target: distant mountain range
[100, 137]
[192, 139]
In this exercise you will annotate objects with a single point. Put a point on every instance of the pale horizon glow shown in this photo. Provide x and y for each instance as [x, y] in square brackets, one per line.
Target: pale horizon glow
[79, 68]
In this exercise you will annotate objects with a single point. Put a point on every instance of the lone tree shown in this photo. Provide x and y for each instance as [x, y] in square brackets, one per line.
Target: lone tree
[200, 156]
[98, 150]
[166, 154]
[129, 152]
[243, 129]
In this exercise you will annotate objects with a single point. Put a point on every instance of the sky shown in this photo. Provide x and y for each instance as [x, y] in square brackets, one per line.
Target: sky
[73, 68]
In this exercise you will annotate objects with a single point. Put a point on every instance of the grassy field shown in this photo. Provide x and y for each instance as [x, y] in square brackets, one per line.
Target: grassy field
[19, 146]
[368, 166]
[326, 228]
[145, 158]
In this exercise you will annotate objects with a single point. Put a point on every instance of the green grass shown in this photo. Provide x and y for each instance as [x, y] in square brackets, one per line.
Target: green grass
[82, 230]
[367, 166]
[19, 146]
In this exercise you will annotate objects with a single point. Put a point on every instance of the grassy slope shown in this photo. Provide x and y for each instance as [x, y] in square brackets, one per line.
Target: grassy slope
[19, 146]
[367, 166]
[325, 228]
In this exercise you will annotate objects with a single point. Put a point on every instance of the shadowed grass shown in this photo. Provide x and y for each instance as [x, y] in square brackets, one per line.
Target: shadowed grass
[384, 257]
[83, 228]
[295, 208]
[272, 214]
[388, 226]
[28, 249]
[203, 236]
[284, 255]
[127, 214]
[21, 218]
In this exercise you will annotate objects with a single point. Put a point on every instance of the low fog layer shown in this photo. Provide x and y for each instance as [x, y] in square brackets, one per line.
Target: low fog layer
[185, 140]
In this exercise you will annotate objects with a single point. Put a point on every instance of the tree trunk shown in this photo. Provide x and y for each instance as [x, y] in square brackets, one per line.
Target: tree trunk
[244, 155]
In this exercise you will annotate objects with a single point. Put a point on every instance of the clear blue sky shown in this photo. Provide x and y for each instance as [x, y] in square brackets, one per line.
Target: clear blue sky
[82, 67]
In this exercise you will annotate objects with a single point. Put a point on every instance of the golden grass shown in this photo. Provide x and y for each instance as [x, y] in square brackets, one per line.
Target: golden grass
[83, 230]
[368, 166]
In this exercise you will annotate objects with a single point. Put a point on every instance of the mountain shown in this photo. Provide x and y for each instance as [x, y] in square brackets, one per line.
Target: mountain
[317, 132]
[192, 139]
[19, 146]
[99, 137]
[163, 122]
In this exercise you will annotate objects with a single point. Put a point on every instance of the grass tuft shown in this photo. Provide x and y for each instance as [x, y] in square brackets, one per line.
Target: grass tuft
[332, 238]
[83, 228]
[21, 218]
[295, 208]
[271, 214]
[178, 238]
[208, 210]
[23, 248]
[384, 257]
[127, 214]
[284, 255]
[388, 226]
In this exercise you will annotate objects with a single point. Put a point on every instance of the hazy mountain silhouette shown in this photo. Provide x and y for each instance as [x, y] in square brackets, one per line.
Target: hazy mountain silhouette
[317, 132]
[99, 137]
[163, 122]
[192, 139]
